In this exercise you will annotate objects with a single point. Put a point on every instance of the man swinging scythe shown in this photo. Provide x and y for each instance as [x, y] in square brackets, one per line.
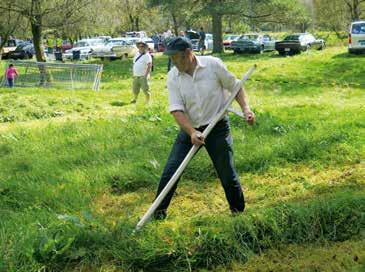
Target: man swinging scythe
[196, 100]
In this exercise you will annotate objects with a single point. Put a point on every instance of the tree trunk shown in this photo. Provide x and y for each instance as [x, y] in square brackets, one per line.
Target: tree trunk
[176, 25]
[131, 20]
[3, 42]
[357, 12]
[217, 32]
[136, 20]
[354, 9]
[36, 26]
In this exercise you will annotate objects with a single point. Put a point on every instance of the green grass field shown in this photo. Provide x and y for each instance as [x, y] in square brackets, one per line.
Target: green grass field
[79, 168]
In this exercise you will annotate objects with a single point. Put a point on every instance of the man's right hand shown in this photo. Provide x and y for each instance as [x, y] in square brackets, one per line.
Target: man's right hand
[197, 138]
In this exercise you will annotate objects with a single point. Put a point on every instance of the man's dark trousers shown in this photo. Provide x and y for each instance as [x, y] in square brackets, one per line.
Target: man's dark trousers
[219, 147]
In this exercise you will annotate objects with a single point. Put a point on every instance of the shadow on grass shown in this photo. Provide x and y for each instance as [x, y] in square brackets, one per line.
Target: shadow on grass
[349, 56]
[118, 103]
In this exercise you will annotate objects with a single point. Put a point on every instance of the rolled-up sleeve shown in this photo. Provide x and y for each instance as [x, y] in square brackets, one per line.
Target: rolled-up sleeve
[175, 100]
[227, 79]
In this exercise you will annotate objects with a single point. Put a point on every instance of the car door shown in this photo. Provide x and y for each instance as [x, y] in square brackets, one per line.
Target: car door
[311, 41]
[269, 43]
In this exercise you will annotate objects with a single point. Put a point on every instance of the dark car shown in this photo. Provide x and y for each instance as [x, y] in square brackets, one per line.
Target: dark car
[22, 51]
[255, 43]
[296, 43]
[10, 46]
[194, 37]
[227, 41]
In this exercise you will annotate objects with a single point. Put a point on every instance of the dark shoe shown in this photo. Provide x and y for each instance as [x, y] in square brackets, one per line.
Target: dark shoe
[160, 215]
[236, 212]
[133, 101]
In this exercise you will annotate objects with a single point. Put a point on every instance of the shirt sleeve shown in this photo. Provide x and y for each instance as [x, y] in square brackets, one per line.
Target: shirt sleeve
[148, 58]
[226, 78]
[176, 102]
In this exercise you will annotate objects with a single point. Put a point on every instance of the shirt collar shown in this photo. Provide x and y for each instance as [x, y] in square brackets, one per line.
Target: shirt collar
[199, 64]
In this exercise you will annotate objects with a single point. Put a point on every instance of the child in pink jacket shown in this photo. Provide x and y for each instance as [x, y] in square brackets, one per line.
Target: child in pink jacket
[10, 74]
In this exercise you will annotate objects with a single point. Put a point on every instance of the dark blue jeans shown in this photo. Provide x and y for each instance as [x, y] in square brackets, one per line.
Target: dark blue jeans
[219, 147]
[10, 82]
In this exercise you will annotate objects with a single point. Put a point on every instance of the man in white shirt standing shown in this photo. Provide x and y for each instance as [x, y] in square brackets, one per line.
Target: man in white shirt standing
[142, 64]
[196, 94]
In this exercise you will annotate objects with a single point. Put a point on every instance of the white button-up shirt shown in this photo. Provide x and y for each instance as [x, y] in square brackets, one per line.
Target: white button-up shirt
[202, 95]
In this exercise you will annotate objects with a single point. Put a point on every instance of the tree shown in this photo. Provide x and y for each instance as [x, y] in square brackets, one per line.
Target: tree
[253, 12]
[355, 8]
[175, 10]
[134, 11]
[331, 15]
[9, 22]
[46, 13]
[336, 15]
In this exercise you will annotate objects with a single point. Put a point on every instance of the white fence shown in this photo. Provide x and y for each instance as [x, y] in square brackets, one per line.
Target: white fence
[55, 75]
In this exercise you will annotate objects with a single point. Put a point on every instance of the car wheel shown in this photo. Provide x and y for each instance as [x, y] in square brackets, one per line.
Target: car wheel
[323, 46]
[281, 53]
[353, 52]
[236, 51]
[261, 50]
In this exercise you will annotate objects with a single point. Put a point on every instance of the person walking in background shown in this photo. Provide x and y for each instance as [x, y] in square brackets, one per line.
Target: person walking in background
[50, 45]
[201, 46]
[142, 65]
[10, 74]
[59, 42]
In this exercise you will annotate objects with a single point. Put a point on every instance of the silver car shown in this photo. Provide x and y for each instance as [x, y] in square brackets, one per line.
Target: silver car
[83, 49]
[256, 43]
[115, 48]
[357, 37]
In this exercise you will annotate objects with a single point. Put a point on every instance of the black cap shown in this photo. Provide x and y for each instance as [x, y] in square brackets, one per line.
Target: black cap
[177, 44]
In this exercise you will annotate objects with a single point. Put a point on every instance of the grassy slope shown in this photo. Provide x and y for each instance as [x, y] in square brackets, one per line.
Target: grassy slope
[82, 156]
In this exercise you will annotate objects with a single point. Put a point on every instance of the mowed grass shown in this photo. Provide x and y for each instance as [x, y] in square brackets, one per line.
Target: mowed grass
[79, 168]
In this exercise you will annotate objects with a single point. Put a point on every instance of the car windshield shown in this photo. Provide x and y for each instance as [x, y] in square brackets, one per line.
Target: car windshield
[115, 42]
[292, 38]
[358, 28]
[20, 47]
[248, 37]
[11, 43]
[232, 38]
[81, 44]
[96, 42]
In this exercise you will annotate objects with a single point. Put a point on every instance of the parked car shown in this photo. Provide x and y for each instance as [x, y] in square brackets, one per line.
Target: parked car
[194, 37]
[85, 48]
[22, 51]
[296, 43]
[66, 45]
[104, 38]
[357, 37]
[253, 42]
[136, 34]
[10, 46]
[115, 48]
[228, 40]
[150, 43]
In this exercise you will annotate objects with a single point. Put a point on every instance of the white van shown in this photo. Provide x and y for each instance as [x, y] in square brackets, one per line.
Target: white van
[357, 37]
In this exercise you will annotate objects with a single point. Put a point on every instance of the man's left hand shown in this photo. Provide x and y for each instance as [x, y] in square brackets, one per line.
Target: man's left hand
[250, 117]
